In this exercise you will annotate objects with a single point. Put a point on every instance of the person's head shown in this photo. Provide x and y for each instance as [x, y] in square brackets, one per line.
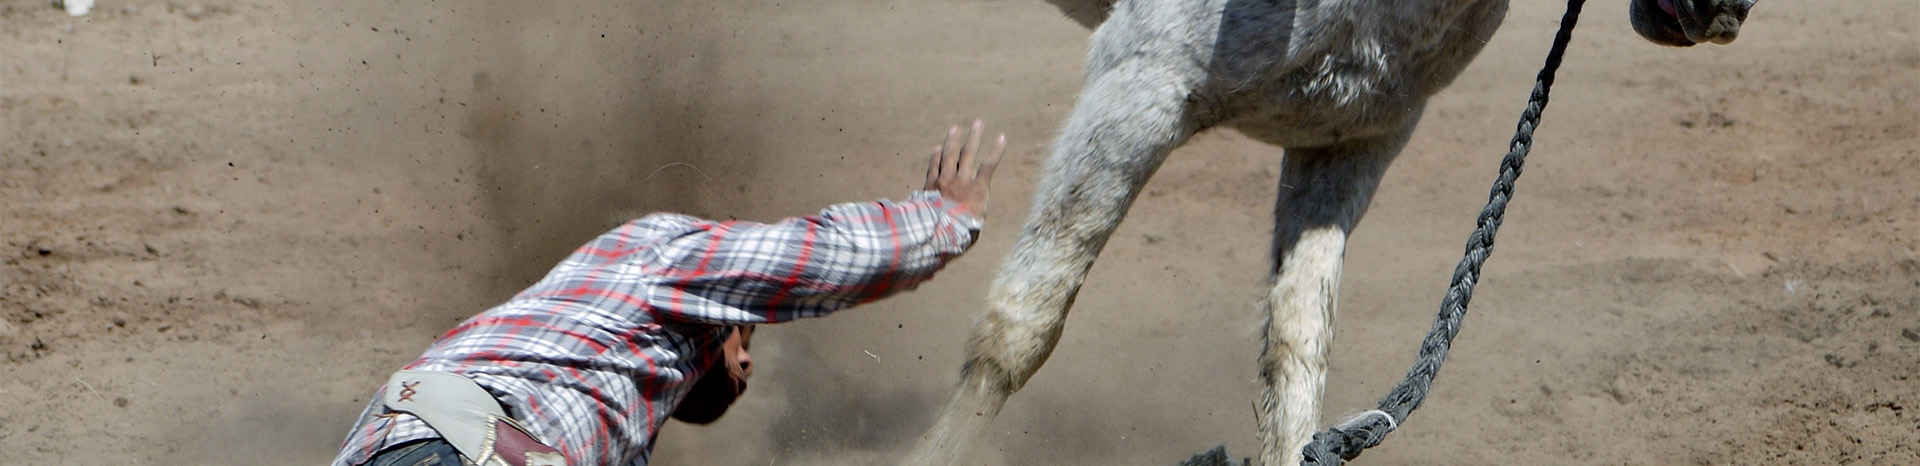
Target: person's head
[721, 383]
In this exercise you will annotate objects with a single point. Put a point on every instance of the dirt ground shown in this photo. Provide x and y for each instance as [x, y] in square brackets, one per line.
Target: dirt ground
[224, 221]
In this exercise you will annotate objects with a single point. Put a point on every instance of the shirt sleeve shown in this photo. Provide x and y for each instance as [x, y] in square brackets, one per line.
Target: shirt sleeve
[750, 273]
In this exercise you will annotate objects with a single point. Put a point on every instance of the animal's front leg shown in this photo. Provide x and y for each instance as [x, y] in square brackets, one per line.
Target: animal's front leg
[1126, 122]
[1323, 194]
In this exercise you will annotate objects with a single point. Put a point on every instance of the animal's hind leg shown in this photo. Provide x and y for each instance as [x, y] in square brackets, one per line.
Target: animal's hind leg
[1323, 194]
[1126, 122]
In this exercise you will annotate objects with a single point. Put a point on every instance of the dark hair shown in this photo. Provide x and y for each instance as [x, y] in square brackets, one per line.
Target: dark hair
[709, 398]
[713, 393]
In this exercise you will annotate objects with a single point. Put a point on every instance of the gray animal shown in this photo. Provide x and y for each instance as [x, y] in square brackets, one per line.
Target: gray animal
[1339, 84]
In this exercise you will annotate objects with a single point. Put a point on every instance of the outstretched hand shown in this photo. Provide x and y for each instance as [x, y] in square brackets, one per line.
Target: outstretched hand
[957, 170]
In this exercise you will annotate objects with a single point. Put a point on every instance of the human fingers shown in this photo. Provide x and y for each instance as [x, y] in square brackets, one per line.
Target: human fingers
[971, 151]
[950, 153]
[985, 176]
[933, 170]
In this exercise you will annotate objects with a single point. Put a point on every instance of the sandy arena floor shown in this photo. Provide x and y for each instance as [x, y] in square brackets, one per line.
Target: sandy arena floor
[224, 221]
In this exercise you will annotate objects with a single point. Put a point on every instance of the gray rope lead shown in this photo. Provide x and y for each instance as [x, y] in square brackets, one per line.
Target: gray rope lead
[1345, 442]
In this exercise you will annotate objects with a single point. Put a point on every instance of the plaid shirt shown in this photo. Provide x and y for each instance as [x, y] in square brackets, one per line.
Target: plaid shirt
[593, 358]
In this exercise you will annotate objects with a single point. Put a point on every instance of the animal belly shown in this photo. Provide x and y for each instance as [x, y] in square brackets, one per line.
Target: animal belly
[1318, 122]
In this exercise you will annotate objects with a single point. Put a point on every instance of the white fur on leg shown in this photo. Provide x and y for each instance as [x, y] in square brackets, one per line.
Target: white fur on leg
[1131, 115]
[1339, 83]
[964, 421]
[1299, 331]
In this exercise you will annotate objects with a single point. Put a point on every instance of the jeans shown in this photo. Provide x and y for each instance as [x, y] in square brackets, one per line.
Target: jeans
[429, 452]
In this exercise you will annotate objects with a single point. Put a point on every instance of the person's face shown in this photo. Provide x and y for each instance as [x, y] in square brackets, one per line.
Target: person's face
[719, 386]
[739, 364]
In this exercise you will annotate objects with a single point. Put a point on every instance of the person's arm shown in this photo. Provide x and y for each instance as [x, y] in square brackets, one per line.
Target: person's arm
[742, 272]
[848, 254]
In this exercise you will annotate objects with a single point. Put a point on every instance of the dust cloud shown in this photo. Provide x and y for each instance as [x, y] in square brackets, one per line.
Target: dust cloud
[574, 135]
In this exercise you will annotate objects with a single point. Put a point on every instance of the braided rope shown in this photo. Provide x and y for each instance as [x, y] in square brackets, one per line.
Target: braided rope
[1345, 442]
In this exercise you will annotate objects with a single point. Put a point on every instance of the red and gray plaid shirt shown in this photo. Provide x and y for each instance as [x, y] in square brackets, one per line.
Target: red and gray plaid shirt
[593, 358]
